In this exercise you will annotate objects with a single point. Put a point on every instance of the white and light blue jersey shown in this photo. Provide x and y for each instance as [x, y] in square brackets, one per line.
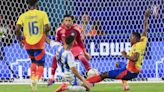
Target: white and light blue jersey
[65, 59]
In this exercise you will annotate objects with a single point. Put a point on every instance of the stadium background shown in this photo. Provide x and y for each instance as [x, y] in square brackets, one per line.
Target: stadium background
[117, 19]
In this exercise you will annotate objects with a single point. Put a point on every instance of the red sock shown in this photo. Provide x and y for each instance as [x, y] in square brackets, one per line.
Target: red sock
[54, 66]
[40, 72]
[33, 71]
[94, 79]
[85, 62]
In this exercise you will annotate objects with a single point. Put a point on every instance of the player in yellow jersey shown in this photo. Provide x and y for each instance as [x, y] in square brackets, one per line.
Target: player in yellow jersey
[135, 58]
[36, 26]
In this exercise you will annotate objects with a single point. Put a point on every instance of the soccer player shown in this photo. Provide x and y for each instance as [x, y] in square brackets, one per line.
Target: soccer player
[66, 61]
[78, 48]
[135, 57]
[36, 26]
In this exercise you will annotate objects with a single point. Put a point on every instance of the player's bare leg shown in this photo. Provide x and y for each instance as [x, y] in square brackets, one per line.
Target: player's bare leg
[125, 85]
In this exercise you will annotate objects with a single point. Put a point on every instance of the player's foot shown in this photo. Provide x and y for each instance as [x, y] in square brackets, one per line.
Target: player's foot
[126, 88]
[50, 82]
[61, 88]
[34, 86]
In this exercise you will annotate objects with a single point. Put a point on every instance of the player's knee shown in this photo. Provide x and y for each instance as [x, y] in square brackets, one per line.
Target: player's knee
[82, 58]
[104, 75]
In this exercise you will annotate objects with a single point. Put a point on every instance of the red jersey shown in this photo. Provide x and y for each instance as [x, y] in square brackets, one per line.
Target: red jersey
[78, 47]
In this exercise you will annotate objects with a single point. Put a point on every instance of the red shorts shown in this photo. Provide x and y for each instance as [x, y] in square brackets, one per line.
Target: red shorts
[77, 50]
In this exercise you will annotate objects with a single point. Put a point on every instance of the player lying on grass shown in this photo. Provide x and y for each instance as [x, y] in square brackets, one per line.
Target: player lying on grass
[66, 61]
[135, 58]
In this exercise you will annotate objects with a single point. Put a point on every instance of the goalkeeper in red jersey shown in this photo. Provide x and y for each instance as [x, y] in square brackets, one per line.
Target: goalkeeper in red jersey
[78, 49]
[135, 58]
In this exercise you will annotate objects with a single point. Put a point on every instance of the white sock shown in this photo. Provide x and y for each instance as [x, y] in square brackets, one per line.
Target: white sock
[76, 88]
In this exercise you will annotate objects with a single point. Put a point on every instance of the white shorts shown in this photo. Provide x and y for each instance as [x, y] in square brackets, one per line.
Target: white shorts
[72, 79]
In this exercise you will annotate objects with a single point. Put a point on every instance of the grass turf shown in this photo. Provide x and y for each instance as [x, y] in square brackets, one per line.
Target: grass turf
[137, 87]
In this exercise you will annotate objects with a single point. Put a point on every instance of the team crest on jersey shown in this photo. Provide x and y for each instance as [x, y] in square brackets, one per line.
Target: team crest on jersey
[72, 34]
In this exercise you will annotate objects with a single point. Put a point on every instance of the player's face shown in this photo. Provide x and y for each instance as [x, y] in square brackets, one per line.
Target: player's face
[68, 22]
[132, 39]
[85, 18]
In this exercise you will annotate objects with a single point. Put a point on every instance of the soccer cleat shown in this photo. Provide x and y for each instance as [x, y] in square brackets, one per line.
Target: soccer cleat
[50, 82]
[61, 88]
[34, 86]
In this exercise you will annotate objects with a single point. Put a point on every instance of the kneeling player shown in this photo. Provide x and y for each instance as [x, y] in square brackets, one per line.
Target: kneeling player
[66, 61]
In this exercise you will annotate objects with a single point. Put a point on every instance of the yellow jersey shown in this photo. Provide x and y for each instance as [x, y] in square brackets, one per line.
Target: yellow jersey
[33, 22]
[140, 48]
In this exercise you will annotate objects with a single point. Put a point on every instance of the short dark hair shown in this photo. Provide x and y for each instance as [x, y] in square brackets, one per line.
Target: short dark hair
[32, 2]
[137, 35]
[69, 15]
[69, 39]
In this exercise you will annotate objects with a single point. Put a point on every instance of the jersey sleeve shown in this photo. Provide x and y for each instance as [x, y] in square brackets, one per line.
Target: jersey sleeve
[20, 20]
[71, 60]
[45, 19]
[79, 40]
[58, 35]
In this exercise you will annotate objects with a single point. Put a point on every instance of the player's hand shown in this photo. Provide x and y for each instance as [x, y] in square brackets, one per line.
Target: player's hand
[147, 13]
[21, 43]
[124, 54]
[87, 55]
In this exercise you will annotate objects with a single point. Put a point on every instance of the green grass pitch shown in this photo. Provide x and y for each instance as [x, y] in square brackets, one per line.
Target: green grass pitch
[111, 87]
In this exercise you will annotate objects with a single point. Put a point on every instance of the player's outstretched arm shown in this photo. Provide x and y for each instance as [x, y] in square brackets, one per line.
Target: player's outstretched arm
[52, 42]
[18, 33]
[74, 70]
[146, 15]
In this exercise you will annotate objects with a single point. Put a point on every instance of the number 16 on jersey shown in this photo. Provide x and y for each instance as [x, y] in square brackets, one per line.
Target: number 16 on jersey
[33, 29]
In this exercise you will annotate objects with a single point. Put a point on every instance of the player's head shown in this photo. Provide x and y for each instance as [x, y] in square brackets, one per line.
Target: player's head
[32, 3]
[68, 20]
[135, 37]
[85, 17]
[69, 40]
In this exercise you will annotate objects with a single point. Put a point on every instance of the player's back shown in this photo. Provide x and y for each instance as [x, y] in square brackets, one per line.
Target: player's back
[33, 22]
[65, 59]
